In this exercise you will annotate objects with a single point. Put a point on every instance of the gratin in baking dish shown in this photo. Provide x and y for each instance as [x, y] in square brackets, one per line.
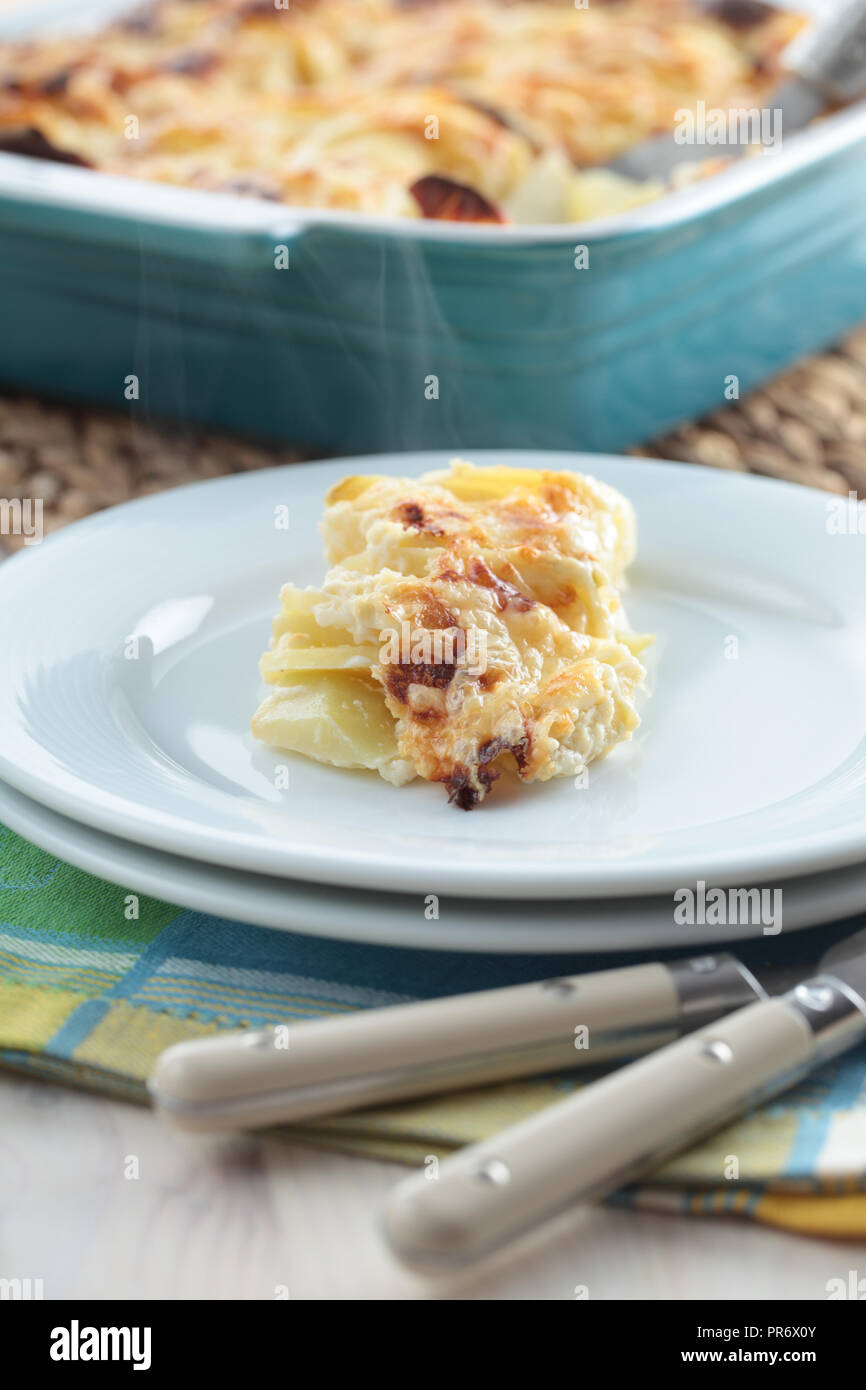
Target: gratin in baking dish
[384, 333]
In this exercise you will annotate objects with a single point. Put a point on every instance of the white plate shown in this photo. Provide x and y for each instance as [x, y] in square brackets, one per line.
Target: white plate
[395, 919]
[747, 768]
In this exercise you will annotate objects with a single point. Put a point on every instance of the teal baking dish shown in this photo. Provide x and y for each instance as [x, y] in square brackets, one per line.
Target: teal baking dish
[386, 334]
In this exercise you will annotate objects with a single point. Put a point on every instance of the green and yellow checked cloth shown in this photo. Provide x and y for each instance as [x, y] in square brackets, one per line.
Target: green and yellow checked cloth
[95, 983]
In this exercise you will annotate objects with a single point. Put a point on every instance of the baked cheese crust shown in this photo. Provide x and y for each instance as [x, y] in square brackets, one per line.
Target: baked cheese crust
[470, 622]
[476, 110]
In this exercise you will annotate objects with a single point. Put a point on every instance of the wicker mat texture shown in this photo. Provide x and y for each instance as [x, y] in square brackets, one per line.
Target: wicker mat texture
[808, 426]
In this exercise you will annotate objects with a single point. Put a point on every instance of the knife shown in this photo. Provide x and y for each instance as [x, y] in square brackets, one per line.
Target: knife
[278, 1075]
[629, 1122]
[828, 67]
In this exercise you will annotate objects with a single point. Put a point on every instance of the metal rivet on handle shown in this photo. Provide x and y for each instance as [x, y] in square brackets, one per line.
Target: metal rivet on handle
[560, 987]
[718, 1051]
[494, 1171]
[702, 964]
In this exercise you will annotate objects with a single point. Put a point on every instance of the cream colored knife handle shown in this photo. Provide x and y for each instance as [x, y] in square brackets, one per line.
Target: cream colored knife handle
[611, 1131]
[373, 1055]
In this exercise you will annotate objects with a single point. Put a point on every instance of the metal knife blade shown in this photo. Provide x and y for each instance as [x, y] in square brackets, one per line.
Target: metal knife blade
[846, 960]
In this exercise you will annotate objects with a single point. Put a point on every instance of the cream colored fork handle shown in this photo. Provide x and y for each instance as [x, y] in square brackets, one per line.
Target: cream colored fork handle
[236, 1066]
[598, 1139]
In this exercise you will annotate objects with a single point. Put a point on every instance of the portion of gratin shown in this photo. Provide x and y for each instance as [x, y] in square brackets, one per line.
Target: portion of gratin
[476, 110]
[470, 622]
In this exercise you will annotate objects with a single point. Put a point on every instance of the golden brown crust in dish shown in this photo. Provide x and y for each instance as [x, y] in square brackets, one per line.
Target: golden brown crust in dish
[433, 108]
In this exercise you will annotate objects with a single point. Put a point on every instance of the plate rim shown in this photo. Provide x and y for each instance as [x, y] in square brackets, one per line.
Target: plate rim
[81, 845]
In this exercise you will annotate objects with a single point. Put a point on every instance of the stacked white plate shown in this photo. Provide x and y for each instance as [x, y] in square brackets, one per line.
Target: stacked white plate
[129, 673]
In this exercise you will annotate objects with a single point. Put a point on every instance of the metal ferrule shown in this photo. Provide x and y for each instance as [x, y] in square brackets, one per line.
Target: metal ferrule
[835, 1013]
[708, 987]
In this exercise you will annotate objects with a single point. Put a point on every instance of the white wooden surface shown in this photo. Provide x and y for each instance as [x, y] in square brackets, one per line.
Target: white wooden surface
[237, 1219]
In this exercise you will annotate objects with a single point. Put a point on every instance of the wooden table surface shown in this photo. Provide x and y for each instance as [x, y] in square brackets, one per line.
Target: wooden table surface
[249, 1218]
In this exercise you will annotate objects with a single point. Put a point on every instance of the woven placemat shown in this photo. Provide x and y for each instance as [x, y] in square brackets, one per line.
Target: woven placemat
[79, 461]
[808, 426]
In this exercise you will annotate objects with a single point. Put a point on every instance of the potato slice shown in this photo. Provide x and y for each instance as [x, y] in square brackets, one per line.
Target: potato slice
[338, 718]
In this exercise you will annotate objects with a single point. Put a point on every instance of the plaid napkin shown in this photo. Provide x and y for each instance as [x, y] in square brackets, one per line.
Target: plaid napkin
[95, 982]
